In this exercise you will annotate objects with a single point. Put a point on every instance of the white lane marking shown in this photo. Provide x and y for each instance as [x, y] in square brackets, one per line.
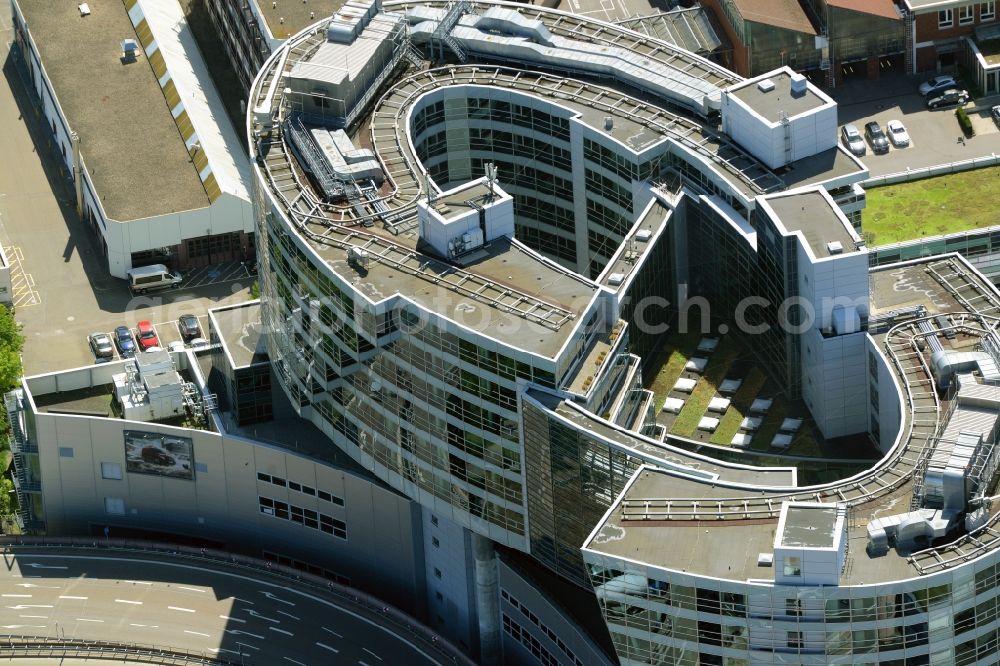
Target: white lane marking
[253, 613]
[233, 619]
[16, 596]
[190, 589]
[281, 631]
[294, 662]
[237, 632]
[361, 663]
[332, 632]
[36, 565]
[22, 626]
[228, 574]
[183, 610]
[372, 653]
[87, 619]
[46, 587]
[327, 647]
[144, 626]
[137, 582]
[248, 603]
[34, 617]
[286, 614]
[24, 606]
[274, 598]
[196, 633]
[75, 598]
[128, 601]
[218, 650]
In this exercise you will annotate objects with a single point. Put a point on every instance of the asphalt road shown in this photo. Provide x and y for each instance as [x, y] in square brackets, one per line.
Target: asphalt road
[192, 606]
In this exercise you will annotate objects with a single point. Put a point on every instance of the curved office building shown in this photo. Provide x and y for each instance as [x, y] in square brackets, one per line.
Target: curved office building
[477, 219]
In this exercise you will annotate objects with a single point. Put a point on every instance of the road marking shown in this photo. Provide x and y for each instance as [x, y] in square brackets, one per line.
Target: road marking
[233, 619]
[253, 613]
[196, 633]
[190, 589]
[294, 662]
[127, 601]
[248, 603]
[327, 647]
[46, 587]
[332, 632]
[372, 654]
[36, 565]
[274, 598]
[22, 626]
[16, 596]
[22, 284]
[286, 614]
[218, 650]
[137, 582]
[34, 617]
[23, 606]
[237, 632]
[183, 610]
[87, 619]
[361, 663]
[144, 626]
[281, 631]
[76, 598]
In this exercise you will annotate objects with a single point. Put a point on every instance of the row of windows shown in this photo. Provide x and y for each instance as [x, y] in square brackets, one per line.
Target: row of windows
[552, 245]
[541, 625]
[544, 211]
[306, 566]
[519, 145]
[600, 185]
[301, 488]
[530, 643]
[967, 14]
[494, 110]
[307, 517]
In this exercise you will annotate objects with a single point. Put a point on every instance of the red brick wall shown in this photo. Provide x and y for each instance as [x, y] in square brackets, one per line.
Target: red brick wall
[927, 26]
[741, 52]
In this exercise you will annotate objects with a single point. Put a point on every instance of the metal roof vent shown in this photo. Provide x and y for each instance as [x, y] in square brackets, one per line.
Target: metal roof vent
[765, 86]
[798, 85]
[129, 49]
[84, 9]
[616, 279]
[835, 247]
[765, 559]
[643, 235]
[609, 122]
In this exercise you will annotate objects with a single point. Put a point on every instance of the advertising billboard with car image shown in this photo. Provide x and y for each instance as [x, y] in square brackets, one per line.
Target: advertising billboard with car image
[159, 454]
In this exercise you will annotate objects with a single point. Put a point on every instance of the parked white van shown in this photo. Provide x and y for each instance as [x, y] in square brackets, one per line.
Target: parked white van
[157, 276]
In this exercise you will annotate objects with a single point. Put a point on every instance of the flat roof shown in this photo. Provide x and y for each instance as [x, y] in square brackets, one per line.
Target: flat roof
[683, 524]
[240, 332]
[296, 14]
[787, 14]
[456, 201]
[809, 526]
[780, 100]
[810, 212]
[925, 5]
[129, 141]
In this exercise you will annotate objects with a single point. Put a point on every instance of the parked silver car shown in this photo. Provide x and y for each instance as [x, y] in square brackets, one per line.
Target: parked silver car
[852, 139]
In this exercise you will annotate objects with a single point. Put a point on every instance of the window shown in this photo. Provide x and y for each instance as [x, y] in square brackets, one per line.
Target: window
[434, 521]
[795, 639]
[945, 18]
[263, 477]
[114, 506]
[294, 486]
[65, 451]
[437, 572]
[793, 566]
[111, 471]
[987, 10]
[434, 540]
[793, 607]
[966, 15]
[440, 597]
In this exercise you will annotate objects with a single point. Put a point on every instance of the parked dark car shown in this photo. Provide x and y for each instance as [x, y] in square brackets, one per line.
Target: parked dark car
[100, 344]
[876, 137]
[189, 327]
[949, 97]
[995, 113]
[124, 341]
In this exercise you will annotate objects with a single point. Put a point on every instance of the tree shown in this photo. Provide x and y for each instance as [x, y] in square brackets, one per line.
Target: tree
[10, 331]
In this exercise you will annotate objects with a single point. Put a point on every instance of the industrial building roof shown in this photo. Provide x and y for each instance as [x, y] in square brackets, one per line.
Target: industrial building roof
[689, 29]
[787, 14]
[129, 141]
[240, 332]
[884, 8]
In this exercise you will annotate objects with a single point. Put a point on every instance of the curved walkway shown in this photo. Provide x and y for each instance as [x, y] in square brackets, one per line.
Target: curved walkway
[159, 603]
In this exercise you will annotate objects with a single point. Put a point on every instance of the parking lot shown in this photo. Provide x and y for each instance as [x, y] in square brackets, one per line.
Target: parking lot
[62, 288]
[934, 135]
[167, 332]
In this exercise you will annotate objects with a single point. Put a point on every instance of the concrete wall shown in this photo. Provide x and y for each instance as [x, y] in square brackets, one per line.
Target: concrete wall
[383, 544]
[448, 566]
[882, 384]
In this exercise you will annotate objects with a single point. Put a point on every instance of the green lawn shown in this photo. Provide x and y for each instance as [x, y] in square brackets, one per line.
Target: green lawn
[695, 405]
[730, 423]
[931, 206]
[682, 347]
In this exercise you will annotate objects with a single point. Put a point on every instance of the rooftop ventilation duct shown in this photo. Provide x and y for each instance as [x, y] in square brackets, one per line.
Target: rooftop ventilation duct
[765, 85]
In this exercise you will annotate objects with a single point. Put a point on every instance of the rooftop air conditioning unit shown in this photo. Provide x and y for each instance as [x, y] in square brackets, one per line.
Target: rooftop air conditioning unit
[616, 279]
[835, 247]
[643, 235]
[798, 85]
[84, 9]
[765, 86]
